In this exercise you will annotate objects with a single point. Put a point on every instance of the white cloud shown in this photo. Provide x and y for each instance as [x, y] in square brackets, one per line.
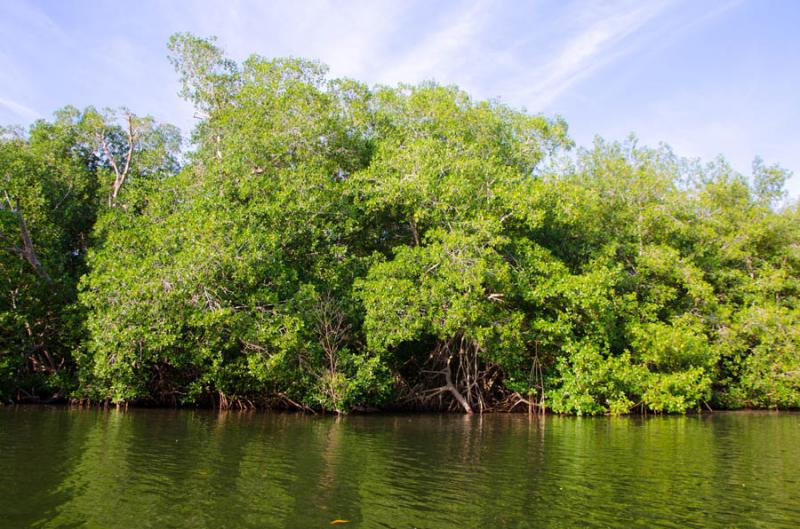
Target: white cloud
[352, 37]
[595, 45]
[25, 112]
[540, 55]
[444, 53]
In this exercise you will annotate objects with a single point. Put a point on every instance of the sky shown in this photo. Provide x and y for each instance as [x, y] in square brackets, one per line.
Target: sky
[708, 77]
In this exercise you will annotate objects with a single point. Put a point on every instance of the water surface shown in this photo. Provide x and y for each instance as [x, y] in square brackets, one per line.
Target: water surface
[71, 468]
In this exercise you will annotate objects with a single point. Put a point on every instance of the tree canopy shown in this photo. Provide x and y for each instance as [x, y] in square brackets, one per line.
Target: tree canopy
[326, 245]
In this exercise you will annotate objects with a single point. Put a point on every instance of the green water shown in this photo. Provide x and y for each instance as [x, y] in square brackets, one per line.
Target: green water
[154, 468]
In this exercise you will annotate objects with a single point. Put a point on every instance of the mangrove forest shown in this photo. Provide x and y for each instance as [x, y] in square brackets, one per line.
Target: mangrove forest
[323, 245]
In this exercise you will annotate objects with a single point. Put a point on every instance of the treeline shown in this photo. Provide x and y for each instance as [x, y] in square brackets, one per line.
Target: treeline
[323, 245]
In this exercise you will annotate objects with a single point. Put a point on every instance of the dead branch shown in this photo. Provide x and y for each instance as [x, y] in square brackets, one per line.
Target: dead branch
[333, 331]
[27, 251]
[120, 175]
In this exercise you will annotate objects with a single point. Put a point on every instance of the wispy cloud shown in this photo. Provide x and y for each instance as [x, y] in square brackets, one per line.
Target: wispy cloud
[28, 17]
[608, 66]
[445, 50]
[25, 112]
[597, 43]
[665, 40]
[351, 37]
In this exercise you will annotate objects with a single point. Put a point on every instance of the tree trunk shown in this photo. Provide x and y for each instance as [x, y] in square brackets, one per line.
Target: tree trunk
[453, 390]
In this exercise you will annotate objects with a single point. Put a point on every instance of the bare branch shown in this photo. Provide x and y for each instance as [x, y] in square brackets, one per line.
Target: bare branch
[120, 176]
[27, 251]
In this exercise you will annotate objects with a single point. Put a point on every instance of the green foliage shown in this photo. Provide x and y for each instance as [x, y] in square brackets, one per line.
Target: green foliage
[329, 246]
[55, 184]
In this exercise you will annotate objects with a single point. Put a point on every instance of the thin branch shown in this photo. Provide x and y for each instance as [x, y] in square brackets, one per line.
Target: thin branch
[27, 252]
[119, 176]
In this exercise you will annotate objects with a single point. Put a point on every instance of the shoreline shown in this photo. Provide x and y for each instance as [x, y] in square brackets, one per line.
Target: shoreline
[263, 410]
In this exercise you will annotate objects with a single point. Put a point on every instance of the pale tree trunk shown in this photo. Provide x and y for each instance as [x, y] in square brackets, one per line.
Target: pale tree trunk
[119, 174]
[27, 251]
[448, 378]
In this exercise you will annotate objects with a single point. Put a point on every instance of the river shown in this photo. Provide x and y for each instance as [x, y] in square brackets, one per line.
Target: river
[71, 468]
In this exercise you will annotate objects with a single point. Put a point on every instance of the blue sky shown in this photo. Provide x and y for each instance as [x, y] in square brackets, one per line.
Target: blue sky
[707, 77]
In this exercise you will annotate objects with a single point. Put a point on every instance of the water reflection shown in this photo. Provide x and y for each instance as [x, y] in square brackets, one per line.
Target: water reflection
[160, 468]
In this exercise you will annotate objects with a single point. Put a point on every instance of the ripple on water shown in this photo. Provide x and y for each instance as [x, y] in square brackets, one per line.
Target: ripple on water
[160, 468]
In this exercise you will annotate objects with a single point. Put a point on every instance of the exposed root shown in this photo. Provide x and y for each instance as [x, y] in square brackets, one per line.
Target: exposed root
[282, 400]
[235, 403]
[457, 381]
[515, 402]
